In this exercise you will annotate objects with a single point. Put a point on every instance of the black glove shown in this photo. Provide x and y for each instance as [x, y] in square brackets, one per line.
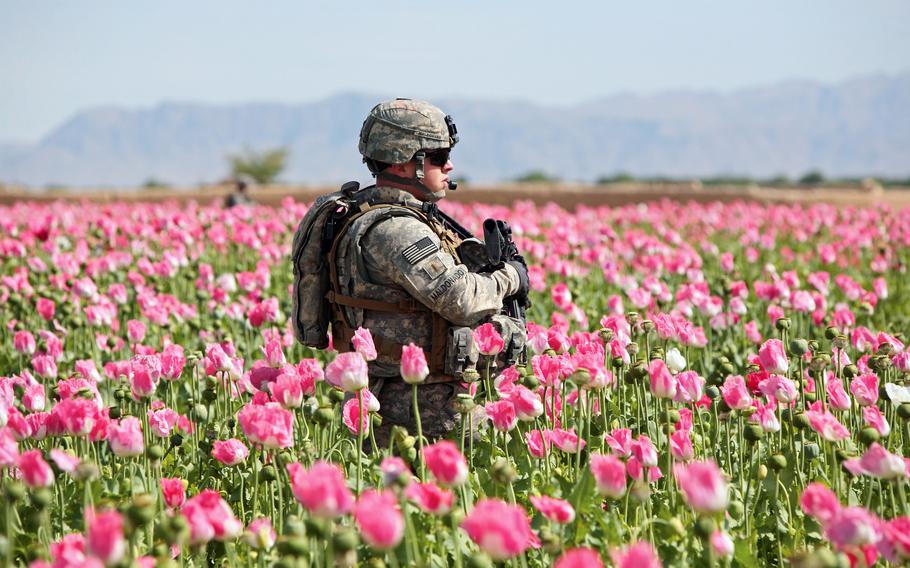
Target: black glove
[524, 284]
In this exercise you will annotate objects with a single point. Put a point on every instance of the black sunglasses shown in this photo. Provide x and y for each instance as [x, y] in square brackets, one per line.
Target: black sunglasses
[439, 157]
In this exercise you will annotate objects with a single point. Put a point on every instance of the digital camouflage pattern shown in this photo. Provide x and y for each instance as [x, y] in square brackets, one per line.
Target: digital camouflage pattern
[438, 415]
[390, 254]
[377, 260]
[395, 130]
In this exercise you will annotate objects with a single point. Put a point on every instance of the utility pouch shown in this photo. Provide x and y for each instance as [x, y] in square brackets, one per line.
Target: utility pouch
[515, 339]
[461, 352]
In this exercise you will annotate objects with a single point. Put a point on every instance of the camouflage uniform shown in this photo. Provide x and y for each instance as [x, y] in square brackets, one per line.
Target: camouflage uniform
[396, 256]
[393, 258]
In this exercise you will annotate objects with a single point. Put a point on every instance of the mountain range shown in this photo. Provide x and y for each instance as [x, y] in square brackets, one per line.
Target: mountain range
[855, 128]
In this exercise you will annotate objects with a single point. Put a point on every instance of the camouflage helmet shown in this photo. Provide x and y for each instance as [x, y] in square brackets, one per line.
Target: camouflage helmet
[396, 130]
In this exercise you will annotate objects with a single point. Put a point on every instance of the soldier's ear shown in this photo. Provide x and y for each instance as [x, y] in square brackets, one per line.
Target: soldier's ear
[402, 170]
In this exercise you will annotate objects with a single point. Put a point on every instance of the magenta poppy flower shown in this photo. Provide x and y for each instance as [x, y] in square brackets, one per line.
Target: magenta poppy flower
[379, 519]
[501, 530]
[321, 489]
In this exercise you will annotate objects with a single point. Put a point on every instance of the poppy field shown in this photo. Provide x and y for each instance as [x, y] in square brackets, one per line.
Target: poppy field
[706, 385]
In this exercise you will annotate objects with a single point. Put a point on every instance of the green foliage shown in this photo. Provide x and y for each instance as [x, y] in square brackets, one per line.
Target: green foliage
[154, 183]
[536, 176]
[263, 166]
[814, 177]
[620, 177]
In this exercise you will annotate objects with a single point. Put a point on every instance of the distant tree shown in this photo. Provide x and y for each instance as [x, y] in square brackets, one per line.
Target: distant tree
[154, 183]
[814, 177]
[264, 166]
[620, 177]
[779, 179]
[536, 176]
[727, 180]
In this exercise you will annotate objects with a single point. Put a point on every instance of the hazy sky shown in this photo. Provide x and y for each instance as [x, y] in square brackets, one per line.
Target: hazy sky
[60, 57]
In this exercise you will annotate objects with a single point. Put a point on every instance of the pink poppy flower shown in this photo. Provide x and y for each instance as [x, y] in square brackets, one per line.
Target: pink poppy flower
[566, 440]
[447, 464]
[162, 422]
[379, 519]
[260, 534]
[721, 544]
[579, 558]
[502, 414]
[45, 308]
[779, 388]
[620, 441]
[557, 340]
[210, 517]
[837, 396]
[430, 497]
[125, 437]
[681, 445]
[348, 372]
[172, 362]
[35, 471]
[735, 393]
[487, 339]
[852, 526]
[690, 387]
[819, 502]
[33, 399]
[321, 489]
[501, 530]
[44, 366]
[65, 461]
[105, 538]
[644, 451]
[609, 475]
[895, 542]
[878, 462]
[135, 331]
[414, 368]
[174, 491]
[77, 416]
[287, 389]
[268, 425]
[230, 452]
[826, 424]
[765, 415]
[363, 344]
[145, 372]
[557, 510]
[865, 389]
[663, 383]
[638, 555]
[274, 354]
[874, 417]
[24, 343]
[773, 358]
[703, 486]
[538, 443]
[901, 361]
[527, 403]
[350, 413]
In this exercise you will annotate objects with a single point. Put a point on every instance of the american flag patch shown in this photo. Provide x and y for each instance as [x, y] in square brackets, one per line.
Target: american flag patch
[419, 250]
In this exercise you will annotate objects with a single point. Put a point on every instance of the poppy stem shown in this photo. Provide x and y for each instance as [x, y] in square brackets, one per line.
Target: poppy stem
[419, 431]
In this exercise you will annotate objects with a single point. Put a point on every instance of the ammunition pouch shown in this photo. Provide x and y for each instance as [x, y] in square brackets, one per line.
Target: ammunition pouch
[461, 352]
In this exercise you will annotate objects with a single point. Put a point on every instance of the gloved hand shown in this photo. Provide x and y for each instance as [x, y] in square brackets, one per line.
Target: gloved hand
[524, 284]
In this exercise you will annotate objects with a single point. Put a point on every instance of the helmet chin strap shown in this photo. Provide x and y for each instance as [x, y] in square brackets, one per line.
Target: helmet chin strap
[417, 181]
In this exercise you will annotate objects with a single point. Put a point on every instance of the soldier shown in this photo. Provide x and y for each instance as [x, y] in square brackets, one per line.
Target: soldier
[398, 269]
[240, 196]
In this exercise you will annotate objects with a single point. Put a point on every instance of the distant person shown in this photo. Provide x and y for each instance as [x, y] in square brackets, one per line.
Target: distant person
[240, 196]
